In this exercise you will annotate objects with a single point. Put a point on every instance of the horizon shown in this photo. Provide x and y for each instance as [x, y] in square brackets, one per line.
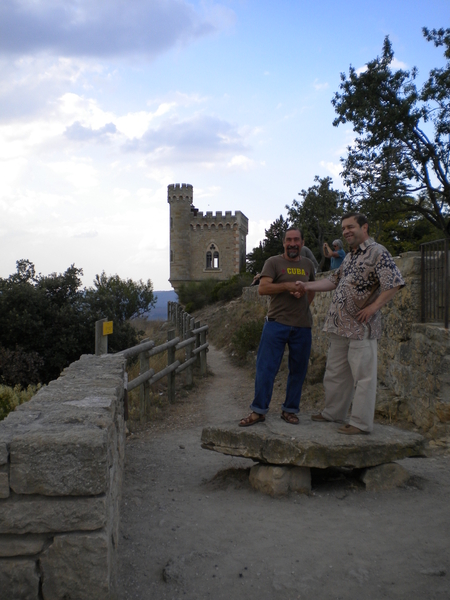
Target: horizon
[104, 105]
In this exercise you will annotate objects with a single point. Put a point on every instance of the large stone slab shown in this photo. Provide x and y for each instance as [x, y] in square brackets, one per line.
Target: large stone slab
[48, 515]
[312, 444]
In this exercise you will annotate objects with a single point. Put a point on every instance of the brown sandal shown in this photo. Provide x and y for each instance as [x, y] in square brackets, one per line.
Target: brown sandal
[290, 418]
[248, 421]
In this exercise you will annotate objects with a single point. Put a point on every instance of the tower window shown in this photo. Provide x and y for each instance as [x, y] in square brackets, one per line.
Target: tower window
[212, 257]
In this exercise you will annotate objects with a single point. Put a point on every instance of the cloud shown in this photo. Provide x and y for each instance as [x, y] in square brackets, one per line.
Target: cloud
[320, 86]
[201, 138]
[242, 162]
[334, 168]
[98, 28]
[77, 132]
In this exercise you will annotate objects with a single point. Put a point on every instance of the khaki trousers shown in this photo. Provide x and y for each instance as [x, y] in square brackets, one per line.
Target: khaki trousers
[351, 376]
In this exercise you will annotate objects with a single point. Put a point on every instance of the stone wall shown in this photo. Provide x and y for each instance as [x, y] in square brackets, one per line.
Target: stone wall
[61, 464]
[413, 357]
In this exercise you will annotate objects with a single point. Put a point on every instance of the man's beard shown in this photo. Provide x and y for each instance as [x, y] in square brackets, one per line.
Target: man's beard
[293, 251]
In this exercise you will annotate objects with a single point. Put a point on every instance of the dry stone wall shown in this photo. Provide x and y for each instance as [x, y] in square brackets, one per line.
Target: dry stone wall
[61, 465]
[413, 357]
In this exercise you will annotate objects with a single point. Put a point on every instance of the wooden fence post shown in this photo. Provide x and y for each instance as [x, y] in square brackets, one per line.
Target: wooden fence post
[171, 360]
[203, 354]
[101, 341]
[144, 389]
[189, 348]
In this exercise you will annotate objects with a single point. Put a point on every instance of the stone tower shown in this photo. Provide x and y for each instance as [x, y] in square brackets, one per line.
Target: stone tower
[203, 246]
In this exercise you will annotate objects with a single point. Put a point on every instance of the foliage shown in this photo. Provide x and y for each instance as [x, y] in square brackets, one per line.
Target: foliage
[400, 160]
[319, 215]
[232, 287]
[120, 300]
[10, 397]
[197, 294]
[272, 245]
[247, 337]
[47, 322]
[18, 367]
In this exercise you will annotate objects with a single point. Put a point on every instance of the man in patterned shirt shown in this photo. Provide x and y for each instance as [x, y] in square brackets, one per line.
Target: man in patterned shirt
[367, 279]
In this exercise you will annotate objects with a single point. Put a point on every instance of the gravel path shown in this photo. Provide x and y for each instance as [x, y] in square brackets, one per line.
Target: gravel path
[192, 528]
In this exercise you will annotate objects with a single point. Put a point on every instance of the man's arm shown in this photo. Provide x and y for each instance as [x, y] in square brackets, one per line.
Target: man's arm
[268, 288]
[322, 285]
[364, 315]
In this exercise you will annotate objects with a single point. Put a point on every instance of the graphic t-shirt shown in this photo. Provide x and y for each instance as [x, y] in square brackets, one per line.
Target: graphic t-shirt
[286, 308]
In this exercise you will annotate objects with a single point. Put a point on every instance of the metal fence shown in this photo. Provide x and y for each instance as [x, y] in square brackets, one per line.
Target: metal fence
[435, 282]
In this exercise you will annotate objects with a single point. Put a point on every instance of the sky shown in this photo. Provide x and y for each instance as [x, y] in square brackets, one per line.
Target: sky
[104, 103]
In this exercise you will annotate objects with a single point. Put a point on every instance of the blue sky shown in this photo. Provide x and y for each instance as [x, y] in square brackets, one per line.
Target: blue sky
[103, 103]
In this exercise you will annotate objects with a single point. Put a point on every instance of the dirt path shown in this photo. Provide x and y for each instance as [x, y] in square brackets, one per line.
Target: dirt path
[188, 533]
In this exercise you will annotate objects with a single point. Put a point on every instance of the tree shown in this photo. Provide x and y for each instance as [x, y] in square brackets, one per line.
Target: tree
[400, 160]
[47, 322]
[319, 215]
[272, 245]
[119, 300]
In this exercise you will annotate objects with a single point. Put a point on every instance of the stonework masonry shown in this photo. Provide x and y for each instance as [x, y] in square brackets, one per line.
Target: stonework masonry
[61, 465]
[203, 246]
[413, 357]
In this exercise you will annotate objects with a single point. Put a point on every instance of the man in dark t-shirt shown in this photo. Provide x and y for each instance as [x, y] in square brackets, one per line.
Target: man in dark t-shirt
[288, 321]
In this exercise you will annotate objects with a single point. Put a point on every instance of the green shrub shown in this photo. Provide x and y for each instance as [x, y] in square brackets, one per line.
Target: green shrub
[197, 294]
[232, 287]
[247, 337]
[10, 397]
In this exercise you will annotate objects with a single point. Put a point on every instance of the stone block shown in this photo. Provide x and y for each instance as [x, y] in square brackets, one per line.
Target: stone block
[71, 461]
[3, 453]
[77, 567]
[21, 545]
[45, 514]
[300, 480]
[4, 484]
[270, 479]
[278, 481]
[384, 477]
[19, 579]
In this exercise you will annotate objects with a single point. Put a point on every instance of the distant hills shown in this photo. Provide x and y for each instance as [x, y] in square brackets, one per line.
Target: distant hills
[159, 312]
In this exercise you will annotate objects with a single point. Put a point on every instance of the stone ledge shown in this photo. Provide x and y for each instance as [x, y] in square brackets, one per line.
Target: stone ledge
[312, 444]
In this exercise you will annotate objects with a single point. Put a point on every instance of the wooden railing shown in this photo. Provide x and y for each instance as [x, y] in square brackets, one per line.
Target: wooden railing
[187, 335]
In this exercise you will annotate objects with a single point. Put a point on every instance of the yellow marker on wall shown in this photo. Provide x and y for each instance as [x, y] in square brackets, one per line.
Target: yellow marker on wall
[107, 327]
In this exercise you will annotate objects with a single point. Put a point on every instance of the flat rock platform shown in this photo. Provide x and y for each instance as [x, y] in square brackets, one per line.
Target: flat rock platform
[312, 444]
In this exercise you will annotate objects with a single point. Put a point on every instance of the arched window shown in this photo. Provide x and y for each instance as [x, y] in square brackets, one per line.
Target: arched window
[212, 257]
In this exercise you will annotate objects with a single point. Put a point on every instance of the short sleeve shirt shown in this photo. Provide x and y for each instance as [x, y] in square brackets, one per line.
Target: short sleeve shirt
[286, 308]
[336, 261]
[364, 274]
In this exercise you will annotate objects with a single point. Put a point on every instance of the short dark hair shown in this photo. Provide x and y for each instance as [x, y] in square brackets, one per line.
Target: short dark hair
[293, 229]
[359, 217]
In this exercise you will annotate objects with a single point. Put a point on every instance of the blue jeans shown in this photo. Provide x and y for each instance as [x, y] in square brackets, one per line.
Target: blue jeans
[274, 338]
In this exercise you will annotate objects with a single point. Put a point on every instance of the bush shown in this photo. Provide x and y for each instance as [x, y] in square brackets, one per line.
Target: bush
[18, 367]
[10, 397]
[196, 295]
[232, 287]
[247, 337]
